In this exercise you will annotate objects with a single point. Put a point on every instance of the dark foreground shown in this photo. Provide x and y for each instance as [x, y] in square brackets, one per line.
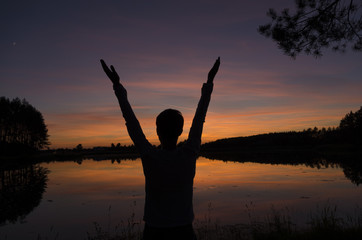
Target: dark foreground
[278, 226]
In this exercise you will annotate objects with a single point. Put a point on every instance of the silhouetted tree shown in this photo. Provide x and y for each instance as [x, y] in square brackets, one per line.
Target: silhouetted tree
[79, 147]
[351, 125]
[22, 127]
[316, 24]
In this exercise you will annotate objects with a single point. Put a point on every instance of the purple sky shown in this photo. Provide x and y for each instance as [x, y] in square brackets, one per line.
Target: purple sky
[163, 50]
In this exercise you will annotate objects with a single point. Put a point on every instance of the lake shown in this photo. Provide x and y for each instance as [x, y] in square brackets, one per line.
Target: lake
[63, 200]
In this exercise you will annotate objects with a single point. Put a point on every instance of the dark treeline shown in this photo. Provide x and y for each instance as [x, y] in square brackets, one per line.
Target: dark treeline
[78, 153]
[349, 131]
[118, 148]
[340, 146]
[22, 127]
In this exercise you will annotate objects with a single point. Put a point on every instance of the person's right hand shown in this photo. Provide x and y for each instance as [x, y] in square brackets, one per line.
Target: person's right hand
[213, 71]
[111, 73]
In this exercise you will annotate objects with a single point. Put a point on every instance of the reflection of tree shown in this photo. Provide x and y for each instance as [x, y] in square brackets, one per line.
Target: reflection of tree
[350, 164]
[353, 172]
[21, 190]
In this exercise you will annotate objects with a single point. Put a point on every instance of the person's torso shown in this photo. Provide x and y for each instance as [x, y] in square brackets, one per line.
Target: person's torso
[169, 187]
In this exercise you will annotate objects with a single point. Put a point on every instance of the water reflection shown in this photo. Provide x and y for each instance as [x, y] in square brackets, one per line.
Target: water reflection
[80, 192]
[114, 158]
[21, 190]
[353, 173]
[351, 165]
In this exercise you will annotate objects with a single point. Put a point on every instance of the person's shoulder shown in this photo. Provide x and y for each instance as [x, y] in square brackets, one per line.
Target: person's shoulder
[190, 147]
[149, 150]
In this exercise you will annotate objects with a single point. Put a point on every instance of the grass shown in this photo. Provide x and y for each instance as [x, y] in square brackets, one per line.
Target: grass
[125, 230]
[324, 224]
[277, 225]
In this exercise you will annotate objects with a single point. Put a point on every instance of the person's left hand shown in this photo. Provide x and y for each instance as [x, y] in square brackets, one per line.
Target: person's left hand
[213, 71]
[111, 73]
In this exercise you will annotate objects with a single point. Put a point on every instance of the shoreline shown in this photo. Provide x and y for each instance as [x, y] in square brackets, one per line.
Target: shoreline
[266, 153]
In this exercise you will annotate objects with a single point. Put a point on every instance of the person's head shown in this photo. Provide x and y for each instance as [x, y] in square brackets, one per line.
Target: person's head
[169, 125]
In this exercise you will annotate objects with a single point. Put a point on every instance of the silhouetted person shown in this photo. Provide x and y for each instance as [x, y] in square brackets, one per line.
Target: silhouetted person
[169, 171]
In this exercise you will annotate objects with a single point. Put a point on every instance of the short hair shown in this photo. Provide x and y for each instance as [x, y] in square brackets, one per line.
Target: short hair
[169, 123]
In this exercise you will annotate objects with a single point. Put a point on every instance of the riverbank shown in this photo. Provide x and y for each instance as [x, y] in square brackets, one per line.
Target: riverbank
[346, 156]
[61, 156]
[227, 149]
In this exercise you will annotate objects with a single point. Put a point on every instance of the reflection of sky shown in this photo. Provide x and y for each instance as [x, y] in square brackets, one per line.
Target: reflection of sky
[78, 195]
[163, 51]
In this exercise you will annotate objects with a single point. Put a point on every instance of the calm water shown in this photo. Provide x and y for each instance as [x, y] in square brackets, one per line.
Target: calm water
[70, 197]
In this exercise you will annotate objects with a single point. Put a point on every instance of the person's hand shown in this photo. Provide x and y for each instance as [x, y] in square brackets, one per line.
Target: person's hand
[113, 76]
[213, 71]
[111, 73]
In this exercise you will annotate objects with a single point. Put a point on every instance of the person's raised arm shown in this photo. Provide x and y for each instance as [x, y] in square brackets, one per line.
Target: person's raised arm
[133, 126]
[199, 118]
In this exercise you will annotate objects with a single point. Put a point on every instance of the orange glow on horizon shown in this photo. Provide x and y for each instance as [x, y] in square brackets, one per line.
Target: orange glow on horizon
[243, 103]
[102, 130]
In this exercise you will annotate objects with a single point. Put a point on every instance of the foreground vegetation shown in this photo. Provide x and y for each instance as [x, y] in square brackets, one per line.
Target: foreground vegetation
[325, 224]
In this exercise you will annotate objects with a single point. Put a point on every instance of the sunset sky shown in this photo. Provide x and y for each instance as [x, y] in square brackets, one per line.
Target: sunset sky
[163, 50]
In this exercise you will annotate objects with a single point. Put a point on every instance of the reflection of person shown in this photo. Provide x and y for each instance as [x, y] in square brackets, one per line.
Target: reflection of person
[169, 171]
